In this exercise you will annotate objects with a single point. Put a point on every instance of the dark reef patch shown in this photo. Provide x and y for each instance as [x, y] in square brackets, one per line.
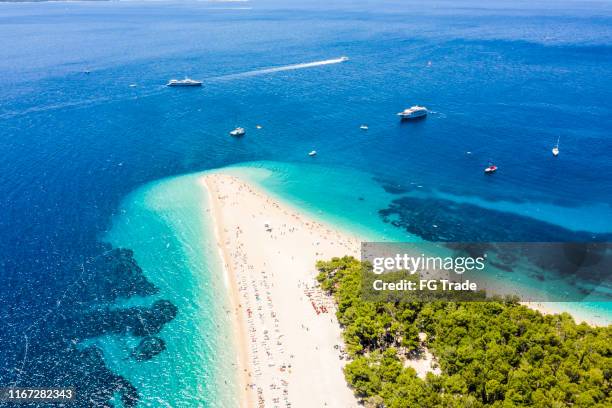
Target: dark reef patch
[395, 189]
[460, 222]
[52, 353]
[392, 187]
[137, 321]
[65, 365]
[118, 275]
[579, 257]
[148, 348]
[503, 267]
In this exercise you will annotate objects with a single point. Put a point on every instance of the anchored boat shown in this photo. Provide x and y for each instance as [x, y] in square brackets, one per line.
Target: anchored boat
[491, 169]
[238, 132]
[413, 112]
[555, 150]
[184, 82]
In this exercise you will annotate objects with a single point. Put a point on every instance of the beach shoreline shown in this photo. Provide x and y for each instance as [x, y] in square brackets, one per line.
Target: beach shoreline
[579, 316]
[259, 238]
[291, 348]
[240, 336]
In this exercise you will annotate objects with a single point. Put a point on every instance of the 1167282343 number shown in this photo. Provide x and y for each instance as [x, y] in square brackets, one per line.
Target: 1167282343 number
[47, 394]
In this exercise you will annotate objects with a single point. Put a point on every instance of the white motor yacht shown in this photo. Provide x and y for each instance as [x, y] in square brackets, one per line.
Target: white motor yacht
[413, 112]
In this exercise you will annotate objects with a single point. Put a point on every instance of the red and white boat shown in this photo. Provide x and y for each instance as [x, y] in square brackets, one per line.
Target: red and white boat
[491, 169]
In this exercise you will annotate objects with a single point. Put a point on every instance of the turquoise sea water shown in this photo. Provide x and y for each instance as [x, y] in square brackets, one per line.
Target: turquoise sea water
[333, 197]
[81, 156]
[339, 195]
[167, 226]
[165, 223]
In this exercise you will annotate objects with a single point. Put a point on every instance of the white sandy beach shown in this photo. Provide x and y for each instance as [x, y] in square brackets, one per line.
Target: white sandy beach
[288, 329]
[580, 316]
[289, 340]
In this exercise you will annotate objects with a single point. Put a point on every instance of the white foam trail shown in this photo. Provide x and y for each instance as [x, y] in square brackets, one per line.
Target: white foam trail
[74, 104]
[283, 68]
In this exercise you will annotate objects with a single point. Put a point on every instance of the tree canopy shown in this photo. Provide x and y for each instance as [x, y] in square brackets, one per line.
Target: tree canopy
[490, 354]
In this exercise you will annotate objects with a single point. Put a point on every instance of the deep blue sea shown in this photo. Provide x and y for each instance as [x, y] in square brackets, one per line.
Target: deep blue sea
[86, 121]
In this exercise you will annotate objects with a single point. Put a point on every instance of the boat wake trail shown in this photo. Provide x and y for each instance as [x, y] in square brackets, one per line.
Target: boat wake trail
[438, 114]
[79, 103]
[280, 69]
[160, 89]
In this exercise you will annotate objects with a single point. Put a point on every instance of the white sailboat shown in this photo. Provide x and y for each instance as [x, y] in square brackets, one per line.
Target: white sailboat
[555, 150]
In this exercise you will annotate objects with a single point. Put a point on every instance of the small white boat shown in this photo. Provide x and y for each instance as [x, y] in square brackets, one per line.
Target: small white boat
[555, 150]
[238, 132]
[364, 127]
[344, 58]
[184, 82]
[413, 112]
[312, 153]
[259, 126]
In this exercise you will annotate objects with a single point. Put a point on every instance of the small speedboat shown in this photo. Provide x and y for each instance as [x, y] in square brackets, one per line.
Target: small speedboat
[259, 126]
[413, 112]
[312, 153]
[184, 82]
[364, 127]
[238, 132]
[491, 169]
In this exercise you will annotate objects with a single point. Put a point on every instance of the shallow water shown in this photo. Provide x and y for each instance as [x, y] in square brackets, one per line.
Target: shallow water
[173, 240]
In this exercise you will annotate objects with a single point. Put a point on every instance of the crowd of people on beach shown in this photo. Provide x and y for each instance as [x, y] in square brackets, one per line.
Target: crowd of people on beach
[270, 364]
